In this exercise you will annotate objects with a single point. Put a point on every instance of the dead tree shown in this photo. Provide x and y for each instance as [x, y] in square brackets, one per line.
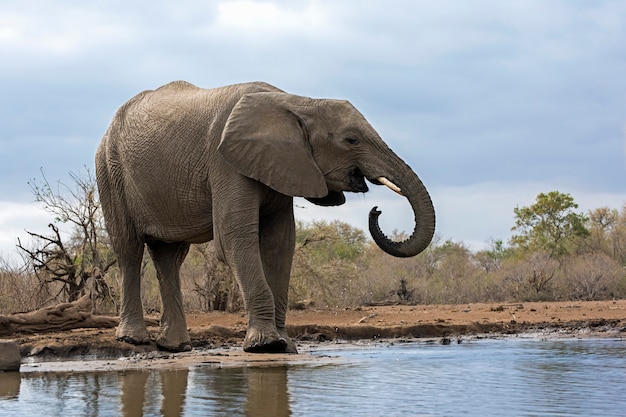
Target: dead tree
[51, 261]
[64, 316]
[216, 286]
[403, 292]
[79, 262]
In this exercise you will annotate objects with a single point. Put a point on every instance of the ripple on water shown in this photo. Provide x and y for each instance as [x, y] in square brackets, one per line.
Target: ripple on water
[483, 378]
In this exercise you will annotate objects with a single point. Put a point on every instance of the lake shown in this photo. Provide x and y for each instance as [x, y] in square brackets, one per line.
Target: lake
[483, 377]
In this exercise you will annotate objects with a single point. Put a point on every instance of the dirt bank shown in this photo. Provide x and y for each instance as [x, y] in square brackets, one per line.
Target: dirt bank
[218, 330]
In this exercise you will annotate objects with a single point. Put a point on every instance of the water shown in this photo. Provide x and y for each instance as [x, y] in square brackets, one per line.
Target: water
[510, 377]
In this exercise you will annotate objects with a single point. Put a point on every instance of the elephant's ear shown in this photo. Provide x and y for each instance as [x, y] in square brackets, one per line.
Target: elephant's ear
[266, 140]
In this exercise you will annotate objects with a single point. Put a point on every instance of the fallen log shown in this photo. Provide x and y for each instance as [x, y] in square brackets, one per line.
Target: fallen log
[65, 316]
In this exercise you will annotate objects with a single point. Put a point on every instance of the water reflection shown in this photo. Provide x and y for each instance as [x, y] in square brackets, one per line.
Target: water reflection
[496, 377]
[267, 391]
[10, 385]
[255, 391]
[258, 391]
[137, 386]
[223, 391]
[552, 371]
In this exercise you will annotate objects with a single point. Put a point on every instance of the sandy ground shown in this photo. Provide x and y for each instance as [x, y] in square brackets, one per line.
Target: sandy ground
[217, 336]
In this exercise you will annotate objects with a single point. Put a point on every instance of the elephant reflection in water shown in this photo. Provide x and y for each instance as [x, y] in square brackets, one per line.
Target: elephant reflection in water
[135, 389]
[267, 392]
[10, 384]
[259, 391]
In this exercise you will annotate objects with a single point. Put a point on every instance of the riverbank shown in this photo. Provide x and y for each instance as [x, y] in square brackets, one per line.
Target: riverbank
[217, 336]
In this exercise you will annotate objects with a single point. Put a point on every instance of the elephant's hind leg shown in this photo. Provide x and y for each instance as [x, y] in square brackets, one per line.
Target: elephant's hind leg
[132, 327]
[168, 258]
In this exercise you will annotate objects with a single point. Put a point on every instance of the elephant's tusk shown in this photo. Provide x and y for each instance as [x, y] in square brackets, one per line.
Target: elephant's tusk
[390, 185]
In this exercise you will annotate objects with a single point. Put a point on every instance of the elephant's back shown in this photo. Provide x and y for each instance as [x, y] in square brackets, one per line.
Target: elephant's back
[160, 115]
[175, 119]
[159, 149]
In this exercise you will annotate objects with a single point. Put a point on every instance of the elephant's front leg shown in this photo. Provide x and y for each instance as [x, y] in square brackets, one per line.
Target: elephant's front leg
[245, 260]
[277, 240]
[236, 232]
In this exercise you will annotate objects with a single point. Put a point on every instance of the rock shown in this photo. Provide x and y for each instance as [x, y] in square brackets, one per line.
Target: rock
[10, 359]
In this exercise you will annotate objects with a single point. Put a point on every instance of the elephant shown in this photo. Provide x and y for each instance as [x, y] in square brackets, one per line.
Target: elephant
[181, 165]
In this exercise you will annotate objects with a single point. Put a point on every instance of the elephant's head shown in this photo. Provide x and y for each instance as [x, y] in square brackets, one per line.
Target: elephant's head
[318, 149]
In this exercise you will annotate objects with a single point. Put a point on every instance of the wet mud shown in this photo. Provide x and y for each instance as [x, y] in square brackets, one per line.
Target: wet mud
[217, 336]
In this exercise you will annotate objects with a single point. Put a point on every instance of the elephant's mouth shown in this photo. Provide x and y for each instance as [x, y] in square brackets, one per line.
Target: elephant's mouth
[356, 181]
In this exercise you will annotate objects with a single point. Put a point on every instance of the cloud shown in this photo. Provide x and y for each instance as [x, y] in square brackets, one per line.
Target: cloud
[41, 32]
[483, 97]
[248, 18]
[15, 219]
[475, 214]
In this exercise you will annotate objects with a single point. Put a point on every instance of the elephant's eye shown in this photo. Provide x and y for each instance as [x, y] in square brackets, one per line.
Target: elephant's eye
[351, 140]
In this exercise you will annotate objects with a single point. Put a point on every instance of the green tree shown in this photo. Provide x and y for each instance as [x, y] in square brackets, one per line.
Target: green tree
[491, 259]
[325, 265]
[608, 232]
[453, 280]
[330, 240]
[550, 224]
[603, 223]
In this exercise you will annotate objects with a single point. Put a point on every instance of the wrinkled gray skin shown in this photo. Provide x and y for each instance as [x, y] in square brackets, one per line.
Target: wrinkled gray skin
[181, 165]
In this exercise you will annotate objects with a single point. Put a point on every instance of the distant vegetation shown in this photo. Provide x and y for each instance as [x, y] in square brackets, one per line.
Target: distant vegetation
[556, 253]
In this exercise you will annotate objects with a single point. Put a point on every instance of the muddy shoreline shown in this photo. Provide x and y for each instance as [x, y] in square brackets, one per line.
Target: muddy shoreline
[217, 336]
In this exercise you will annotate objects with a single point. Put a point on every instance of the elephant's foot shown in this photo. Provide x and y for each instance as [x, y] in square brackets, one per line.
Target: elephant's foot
[291, 345]
[264, 341]
[173, 347]
[133, 334]
[174, 341]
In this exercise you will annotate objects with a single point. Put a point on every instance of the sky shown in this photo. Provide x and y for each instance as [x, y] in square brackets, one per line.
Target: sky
[491, 102]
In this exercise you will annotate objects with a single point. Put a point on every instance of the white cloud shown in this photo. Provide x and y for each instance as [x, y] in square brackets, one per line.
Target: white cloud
[396, 210]
[15, 219]
[475, 214]
[54, 31]
[488, 100]
[251, 17]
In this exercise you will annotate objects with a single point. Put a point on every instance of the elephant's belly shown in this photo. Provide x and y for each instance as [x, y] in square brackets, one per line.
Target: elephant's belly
[180, 233]
[172, 212]
[178, 224]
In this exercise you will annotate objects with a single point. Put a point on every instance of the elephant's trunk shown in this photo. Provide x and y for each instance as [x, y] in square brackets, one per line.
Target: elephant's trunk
[409, 185]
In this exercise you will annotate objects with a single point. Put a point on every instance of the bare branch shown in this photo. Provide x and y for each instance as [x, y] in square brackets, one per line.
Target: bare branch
[70, 261]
